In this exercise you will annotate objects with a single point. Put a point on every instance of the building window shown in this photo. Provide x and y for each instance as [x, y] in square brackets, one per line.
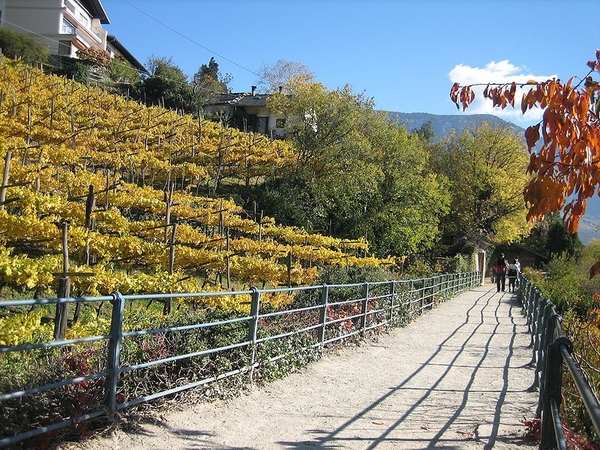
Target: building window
[64, 48]
[84, 20]
[67, 27]
[70, 7]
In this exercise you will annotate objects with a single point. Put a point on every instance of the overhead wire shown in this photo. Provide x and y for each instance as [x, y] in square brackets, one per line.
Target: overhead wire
[67, 63]
[188, 38]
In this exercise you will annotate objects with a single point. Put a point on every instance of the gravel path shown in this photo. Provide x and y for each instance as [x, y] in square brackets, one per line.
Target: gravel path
[456, 378]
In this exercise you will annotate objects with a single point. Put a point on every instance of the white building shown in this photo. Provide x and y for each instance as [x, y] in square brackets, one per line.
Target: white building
[64, 26]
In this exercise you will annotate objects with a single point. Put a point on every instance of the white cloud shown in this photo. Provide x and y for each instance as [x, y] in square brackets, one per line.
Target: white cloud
[497, 72]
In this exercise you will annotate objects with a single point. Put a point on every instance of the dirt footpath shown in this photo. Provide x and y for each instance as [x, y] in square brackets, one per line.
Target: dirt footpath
[456, 378]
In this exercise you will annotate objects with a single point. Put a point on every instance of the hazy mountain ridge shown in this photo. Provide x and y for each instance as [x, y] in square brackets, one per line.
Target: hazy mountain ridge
[443, 124]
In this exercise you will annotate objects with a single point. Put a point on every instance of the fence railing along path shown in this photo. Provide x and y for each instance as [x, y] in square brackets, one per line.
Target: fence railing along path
[457, 377]
[58, 386]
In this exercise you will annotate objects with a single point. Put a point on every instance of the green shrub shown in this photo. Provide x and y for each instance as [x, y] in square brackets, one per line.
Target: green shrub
[418, 269]
[21, 46]
[457, 264]
[562, 285]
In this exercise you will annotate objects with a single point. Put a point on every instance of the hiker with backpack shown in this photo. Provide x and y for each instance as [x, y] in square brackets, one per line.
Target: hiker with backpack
[513, 273]
[500, 268]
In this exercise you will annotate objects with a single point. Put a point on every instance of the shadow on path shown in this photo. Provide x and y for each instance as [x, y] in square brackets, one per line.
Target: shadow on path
[488, 324]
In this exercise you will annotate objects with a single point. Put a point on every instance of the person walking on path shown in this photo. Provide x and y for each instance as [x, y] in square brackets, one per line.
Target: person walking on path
[513, 273]
[500, 268]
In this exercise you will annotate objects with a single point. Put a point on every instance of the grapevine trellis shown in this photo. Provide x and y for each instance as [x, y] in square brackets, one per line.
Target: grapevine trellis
[139, 188]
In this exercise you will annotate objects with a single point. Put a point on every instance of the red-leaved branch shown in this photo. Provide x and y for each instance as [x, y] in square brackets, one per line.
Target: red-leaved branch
[566, 168]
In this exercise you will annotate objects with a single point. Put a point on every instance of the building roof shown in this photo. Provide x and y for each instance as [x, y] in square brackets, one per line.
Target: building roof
[241, 99]
[95, 8]
[112, 40]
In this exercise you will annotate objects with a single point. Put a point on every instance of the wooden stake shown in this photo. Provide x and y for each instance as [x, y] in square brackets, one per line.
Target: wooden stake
[167, 305]
[107, 189]
[228, 259]
[169, 202]
[64, 290]
[4, 186]
[89, 209]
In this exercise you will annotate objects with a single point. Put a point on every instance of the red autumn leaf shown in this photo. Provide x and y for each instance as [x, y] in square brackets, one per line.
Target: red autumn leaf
[454, 94]
[567, 160]
[532, 135]
[511, 93]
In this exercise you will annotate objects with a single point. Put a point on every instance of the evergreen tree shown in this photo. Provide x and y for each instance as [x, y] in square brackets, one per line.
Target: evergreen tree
[167, 85]
[208, 83]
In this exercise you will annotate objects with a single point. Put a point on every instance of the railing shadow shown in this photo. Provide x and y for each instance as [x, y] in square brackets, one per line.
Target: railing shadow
[474, 318]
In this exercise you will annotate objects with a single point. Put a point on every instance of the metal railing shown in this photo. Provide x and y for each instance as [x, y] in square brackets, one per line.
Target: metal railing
[243, 345]
[552, 352]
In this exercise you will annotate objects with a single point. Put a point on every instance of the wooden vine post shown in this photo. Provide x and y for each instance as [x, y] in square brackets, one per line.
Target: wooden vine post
[107, 189]
[167, 305]
[228, 260]
[289, 269]
[169, 203]
[4, 186]
[89, 223]
[64, 290]
[38, 182]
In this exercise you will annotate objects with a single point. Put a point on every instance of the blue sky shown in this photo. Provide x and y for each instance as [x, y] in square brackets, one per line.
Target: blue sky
[404, 54]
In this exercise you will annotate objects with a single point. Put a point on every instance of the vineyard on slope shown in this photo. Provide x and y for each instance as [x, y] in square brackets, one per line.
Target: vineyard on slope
[101, 194]
[120, 184]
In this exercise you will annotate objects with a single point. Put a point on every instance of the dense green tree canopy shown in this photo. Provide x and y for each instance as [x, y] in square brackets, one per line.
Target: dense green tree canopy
[167, 85]
[355, 173]
[405, 217]
[120, 70]
[550, 237]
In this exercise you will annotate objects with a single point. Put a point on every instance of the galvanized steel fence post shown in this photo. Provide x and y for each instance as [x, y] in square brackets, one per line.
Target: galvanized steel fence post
[323, 315]
[364, 308]
[550, 394]
[534, 316]
[393, 297]
[114, 349]
[544, 337]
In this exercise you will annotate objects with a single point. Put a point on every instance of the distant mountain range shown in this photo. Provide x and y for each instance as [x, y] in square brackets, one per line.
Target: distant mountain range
[443, 125]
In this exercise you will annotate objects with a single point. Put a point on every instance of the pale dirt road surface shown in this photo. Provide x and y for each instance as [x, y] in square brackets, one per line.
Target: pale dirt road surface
[456, 378]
